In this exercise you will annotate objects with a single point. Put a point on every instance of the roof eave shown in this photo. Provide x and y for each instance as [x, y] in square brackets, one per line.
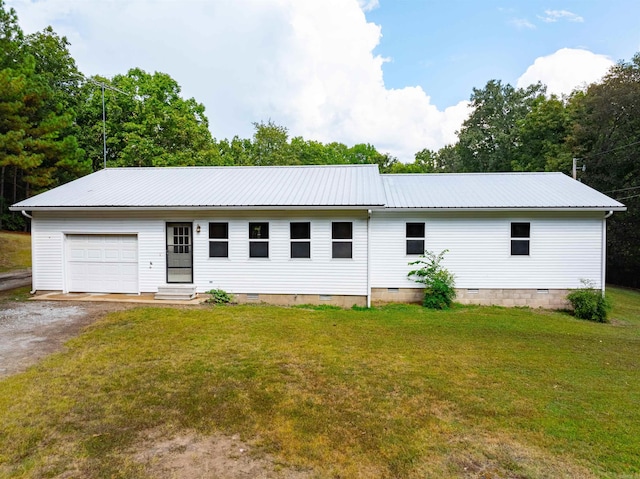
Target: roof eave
[512, 208]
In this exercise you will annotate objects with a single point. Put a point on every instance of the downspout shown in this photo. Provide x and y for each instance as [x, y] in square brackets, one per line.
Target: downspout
[368, 258]
[603, 277]
[27, 215]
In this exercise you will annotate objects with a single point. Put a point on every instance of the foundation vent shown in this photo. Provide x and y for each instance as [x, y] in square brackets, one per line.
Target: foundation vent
[326, 297]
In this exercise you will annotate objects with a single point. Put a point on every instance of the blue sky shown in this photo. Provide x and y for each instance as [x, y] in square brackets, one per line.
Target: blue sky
[396, 74]
[449, 48]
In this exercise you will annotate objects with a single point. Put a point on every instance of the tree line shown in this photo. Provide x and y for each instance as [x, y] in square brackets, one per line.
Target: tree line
[51, 132]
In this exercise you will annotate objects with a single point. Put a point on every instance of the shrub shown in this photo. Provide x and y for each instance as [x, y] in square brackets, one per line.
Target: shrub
[589, 303]
[438, 282]
[219, 296]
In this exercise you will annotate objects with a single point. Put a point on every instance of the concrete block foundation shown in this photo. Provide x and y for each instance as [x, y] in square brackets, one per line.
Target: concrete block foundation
[532, 298]
[342, 301]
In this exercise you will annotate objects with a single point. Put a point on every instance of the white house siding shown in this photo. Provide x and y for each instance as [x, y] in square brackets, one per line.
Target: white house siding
[277, 274]
[49, 230]
[564, 248]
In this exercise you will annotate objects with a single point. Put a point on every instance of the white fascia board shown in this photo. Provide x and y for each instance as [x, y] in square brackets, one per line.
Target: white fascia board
[523, 208]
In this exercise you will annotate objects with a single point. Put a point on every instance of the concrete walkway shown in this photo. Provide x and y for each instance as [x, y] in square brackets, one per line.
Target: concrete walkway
[15, 279]
[144, 298]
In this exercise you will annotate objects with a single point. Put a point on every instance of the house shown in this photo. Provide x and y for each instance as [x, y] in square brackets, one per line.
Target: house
[314, 234]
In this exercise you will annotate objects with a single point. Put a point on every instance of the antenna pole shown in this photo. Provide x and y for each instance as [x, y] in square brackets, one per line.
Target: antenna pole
[104, 116]
[104, 130]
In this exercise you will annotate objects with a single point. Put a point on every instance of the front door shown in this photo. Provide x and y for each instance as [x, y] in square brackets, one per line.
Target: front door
[179, 253]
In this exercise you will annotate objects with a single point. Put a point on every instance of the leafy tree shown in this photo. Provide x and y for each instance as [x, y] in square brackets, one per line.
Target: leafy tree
[236, 152]
[148, 123]
[542, 137]
[271, 146]
[37, 147]
[606, 136]
[488, 138]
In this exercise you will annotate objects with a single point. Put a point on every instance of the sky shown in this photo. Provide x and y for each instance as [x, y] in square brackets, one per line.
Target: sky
[394, 73]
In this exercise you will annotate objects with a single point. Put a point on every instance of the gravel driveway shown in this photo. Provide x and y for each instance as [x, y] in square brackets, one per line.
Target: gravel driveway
[32, 330]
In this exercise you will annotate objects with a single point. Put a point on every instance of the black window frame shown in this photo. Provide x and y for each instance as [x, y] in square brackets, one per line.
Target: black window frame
[300, 239]
[520, 238]
[258, 239]
[342, 249]
[414, 239]
[218, 241]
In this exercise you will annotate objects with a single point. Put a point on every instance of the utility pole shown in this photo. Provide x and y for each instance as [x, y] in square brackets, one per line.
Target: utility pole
[575, 167]
[104, 116]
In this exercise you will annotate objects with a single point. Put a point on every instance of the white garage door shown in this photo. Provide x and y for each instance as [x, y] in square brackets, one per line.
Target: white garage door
[102, 263]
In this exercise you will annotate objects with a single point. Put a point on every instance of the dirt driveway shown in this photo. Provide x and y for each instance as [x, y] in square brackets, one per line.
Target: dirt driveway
[31, 330]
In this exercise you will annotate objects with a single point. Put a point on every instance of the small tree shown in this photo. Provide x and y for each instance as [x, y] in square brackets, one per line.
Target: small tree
[438, 282]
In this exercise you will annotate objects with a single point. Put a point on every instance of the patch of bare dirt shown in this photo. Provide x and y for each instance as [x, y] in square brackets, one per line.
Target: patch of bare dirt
[29, 331]
[192, 456]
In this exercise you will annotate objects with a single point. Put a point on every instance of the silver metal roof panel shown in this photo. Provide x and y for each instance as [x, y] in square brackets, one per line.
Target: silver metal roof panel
[493, 190]
[268, 186]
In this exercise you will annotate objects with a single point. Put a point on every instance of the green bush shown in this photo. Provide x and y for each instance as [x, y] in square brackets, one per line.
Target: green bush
[438, 282]
[589, 303]
[219, 296]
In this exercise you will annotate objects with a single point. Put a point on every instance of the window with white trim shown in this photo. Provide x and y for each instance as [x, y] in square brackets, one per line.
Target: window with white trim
[415, 238]
[218, 240]
[520, 238]
[300, 235]
[342, 236]
[259, 240]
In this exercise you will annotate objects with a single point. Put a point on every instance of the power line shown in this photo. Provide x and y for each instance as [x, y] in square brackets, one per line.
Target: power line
[622, 189]
[613, 149]
[627, 197]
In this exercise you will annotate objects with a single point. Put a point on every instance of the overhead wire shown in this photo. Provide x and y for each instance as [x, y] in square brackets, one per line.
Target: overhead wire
[623, 189]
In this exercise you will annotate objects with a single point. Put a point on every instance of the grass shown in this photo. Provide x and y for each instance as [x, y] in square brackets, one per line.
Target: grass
[393, 392]
[16, 251]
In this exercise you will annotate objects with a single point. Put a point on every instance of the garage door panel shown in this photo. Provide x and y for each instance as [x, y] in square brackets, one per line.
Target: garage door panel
[102, 263]
[94, 254]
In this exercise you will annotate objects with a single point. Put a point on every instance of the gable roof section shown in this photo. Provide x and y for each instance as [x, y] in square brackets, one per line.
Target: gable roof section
[317, 187]
[340, 186]
[480, 191]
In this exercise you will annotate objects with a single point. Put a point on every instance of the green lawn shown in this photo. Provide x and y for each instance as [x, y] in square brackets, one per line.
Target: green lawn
[393, 392]
[16, 251]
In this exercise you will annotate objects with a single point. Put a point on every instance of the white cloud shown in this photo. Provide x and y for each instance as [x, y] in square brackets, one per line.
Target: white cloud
[566, 70]
[306, 65]
[522, 23]
[552, 16]
[368, 5]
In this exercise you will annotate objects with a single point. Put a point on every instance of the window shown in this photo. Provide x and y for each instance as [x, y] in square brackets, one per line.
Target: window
[415, 238]
[218, 240]
[259, 236]
[181, 239]
[342, 230]
[300, 234]
[520, 236]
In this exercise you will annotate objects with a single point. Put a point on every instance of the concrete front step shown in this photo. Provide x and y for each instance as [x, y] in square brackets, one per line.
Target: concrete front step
[180, 292]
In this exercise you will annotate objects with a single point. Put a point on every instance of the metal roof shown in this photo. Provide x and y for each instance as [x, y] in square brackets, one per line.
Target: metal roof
[195, 187]
[316, 187]
[493, 191]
